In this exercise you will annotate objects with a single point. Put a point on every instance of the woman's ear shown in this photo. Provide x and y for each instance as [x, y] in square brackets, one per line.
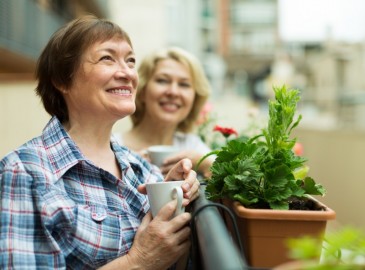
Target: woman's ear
[60, 88]
[63, 91]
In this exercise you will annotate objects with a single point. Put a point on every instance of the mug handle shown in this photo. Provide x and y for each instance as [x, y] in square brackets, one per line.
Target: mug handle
[177, 193]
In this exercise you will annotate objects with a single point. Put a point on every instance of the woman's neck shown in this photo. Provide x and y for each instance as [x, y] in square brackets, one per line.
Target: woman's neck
[93, 140]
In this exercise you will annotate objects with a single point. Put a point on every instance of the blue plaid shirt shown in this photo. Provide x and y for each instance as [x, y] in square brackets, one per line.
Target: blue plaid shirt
[59, 210]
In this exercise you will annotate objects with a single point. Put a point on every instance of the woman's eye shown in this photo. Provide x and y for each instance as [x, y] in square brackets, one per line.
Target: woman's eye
[131, 62]
[106, 57]
[161, 81]
[185, 85]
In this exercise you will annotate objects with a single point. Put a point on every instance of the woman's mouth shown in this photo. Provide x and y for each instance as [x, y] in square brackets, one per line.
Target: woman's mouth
[120, 91]
[171, 107]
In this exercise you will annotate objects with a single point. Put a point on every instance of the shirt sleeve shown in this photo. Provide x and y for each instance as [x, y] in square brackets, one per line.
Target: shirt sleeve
[24, 244]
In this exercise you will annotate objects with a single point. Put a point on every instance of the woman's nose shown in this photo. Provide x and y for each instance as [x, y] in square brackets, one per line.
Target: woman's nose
[125, 72]
[173, 89]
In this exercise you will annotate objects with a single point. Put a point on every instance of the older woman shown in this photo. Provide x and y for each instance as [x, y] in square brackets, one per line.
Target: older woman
[74, 198]
[171, 93]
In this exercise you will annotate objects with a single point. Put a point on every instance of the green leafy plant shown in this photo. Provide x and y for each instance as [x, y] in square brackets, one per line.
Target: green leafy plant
[343, 249]
[263, 171]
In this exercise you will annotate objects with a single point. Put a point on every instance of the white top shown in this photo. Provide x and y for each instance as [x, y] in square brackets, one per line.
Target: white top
[183, 141]
[189, 141]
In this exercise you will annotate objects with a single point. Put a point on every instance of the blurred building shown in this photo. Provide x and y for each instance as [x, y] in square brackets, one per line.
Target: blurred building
[26, 25]
[334, 80]
[146, 22]
[244, 34]
[237, 41]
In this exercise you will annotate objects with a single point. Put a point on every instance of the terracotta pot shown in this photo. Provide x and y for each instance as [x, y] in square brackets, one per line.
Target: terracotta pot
[263, 232]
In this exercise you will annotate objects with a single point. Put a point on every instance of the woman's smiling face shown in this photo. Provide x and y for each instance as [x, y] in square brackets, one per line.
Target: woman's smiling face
[104, 85]
[169, 94]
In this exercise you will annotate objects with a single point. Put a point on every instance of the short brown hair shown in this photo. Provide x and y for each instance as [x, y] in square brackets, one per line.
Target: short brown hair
[199, 80]
[60, 58]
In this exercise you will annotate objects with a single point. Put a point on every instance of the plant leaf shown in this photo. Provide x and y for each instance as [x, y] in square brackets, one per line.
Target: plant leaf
[312, 188]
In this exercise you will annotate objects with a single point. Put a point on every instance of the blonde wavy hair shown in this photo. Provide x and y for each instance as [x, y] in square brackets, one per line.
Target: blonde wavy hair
[199, 83]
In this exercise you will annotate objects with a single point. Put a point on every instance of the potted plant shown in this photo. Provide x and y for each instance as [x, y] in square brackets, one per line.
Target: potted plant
[267, 187]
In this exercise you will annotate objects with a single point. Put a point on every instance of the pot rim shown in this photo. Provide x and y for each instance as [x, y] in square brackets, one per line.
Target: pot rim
[310, 215]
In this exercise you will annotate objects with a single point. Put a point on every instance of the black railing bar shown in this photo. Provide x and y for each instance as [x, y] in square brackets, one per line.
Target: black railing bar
[217, 250]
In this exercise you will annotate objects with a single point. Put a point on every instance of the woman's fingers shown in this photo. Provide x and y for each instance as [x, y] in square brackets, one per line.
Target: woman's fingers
[194, 191]
[183, 170]
[180, 170]
[142, 189]
[161, 237]
[167, 211]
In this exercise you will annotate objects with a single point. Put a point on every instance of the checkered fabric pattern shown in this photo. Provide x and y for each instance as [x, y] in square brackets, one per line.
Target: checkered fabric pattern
[59, 210]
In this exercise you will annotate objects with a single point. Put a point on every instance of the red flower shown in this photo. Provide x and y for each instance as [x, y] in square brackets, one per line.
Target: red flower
[298, 149]
[226, 132]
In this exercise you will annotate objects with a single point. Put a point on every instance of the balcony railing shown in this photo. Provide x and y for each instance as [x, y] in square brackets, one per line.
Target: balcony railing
[213, 247]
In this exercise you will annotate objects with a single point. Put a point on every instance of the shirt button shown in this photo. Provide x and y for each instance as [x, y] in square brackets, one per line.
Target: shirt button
[100, 215]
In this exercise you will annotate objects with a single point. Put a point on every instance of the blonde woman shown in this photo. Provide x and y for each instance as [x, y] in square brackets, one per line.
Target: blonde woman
[172, 90]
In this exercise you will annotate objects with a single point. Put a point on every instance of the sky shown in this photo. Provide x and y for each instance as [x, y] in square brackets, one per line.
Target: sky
[314, 20]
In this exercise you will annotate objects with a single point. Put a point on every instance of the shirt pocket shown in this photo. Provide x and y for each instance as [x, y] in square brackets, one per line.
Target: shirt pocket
[102, 235]
[97, 235]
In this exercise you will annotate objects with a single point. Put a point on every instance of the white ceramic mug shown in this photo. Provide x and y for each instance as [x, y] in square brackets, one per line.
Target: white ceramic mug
[158, 153]
[160, 193]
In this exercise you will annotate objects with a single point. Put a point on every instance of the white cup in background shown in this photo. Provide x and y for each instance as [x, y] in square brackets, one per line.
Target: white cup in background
[160, 193]
[158, 153]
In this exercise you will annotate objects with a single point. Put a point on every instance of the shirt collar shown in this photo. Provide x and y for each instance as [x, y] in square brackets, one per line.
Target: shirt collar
[61, 150]
[63, 153]
[121, 153]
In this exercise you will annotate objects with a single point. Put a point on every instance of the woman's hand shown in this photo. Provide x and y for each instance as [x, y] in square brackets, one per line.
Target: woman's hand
[194, 156]
[183, 171]
[161, 241]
